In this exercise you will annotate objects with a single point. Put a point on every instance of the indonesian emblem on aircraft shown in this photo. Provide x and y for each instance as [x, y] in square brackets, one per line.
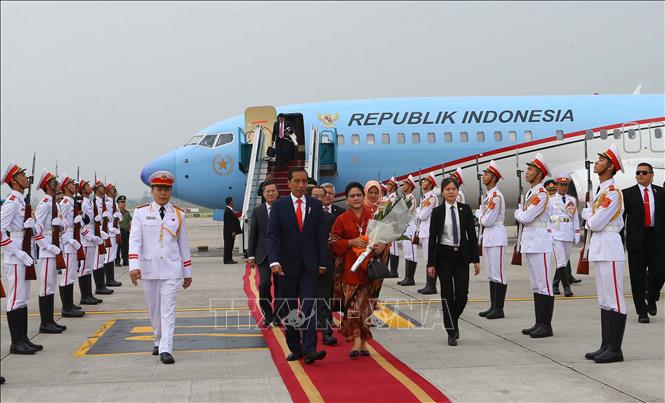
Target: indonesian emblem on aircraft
[222, 164]
[328, 119]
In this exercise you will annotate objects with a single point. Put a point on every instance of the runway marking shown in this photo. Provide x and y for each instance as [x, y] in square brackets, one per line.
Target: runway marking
[212, 350]
[151, 337]
[393, 319]
[87, 345]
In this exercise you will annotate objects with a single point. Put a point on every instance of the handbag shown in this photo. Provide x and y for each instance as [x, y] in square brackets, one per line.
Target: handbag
[377, 270]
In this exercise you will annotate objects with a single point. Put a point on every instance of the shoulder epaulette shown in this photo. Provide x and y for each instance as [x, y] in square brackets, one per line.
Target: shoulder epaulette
[174, 206]
[494, 194]
[611, 188]
[64, 201]
[542, 190]
[12, 197]
[143, 205]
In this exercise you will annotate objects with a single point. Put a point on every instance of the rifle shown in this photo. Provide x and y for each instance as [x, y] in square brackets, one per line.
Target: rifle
[105, 221]
[480, 203]
[101, 249]
[416, 236]
[30, 273]
[583, 261]
[517, 253]
[116, 223]
[55, 234]
[80, 253]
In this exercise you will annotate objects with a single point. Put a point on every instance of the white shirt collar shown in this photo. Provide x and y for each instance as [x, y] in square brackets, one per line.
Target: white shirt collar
[606, 184]
[644, 187]
[293, 198]
[494, 189]
[156, 206]
[448, 205]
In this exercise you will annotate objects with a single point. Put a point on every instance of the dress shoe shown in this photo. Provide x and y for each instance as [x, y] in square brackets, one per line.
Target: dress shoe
[329, 340]
[21, 348]
[314, 356]
[36, 347]
[495, 313]
[70, 312]
[166, 358]
[113, 283]
[78, 308]
[529, 330]
[407, 282]
[231, 262]
[155, 350]
[89, 301]
[364, 353]
[575, 281]
[276, 322]
[99, 300]
[354, 354]
[49, 328]
[652, 308]
[452, 341]
[643, 318]
[555, 290]
[2, 380]
[294, 356]
[266, 323]
[567, 291]
[542, 331]
[104, 291]
[456, 334]
[427, 291]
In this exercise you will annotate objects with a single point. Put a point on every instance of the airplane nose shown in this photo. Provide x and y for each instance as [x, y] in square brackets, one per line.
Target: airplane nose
[164, 163]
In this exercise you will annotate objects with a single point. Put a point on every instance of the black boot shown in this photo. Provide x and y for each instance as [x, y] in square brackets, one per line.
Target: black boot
[67, 296]
[394, 264]
[536, 310]
[100, 286]
[497, 312]
[24, 324]
[18, 346]
[547, 310]
[46, 326]
[430, 285]
[85, 286]
[492, 299]
[569, 273]
[613, 351]
[555, 283]
[109, 271]
[561, 271]
[605, 331]
[409, 272]
[51, 311]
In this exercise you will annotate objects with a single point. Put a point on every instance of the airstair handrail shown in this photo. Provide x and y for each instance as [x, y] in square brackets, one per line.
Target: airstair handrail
[257, 141]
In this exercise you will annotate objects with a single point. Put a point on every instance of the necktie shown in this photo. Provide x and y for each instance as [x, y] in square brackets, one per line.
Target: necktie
[647, 208]
[268, 207]
[454, 218]
[564, 199]
[161, 212]
[281, 130]
[299, 214]
[327, 209]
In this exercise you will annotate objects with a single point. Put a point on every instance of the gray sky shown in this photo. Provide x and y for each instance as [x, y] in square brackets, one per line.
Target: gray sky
[111, 86]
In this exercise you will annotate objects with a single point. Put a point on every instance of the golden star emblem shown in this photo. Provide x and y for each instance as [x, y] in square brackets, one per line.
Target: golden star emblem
[222, 164]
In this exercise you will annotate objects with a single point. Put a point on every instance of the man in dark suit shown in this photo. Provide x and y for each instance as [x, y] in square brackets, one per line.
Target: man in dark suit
[644, 216]
[258, 252]
[452, 246]
[328, 205]
[297, 252]
[282, 131]
[231, 229]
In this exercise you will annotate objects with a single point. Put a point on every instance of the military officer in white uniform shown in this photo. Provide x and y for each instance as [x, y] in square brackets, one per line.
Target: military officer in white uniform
[159, 256]
[112, 214]
[105, 217]
[48, 272]
[423, 215]
[92, 245]
[604, 218]
[457, 176]
[70, 247]
[410, 255]
[536, 246]
[565, 227]
[13, 225]
[393, 255]
[494, 240]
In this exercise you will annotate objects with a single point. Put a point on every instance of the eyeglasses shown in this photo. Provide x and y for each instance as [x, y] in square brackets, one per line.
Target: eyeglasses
[645, 173]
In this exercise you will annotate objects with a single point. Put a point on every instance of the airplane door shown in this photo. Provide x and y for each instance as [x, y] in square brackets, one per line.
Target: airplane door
[632, 138]
[265, 116]
[656, 140]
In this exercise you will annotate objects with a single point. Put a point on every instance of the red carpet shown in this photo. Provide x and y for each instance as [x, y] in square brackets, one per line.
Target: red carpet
[380, 377]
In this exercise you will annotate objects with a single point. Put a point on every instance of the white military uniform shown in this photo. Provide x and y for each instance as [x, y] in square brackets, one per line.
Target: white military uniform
[606, 253]
[11, 221]
[564, 225]
[536, 244]
[410, 251]
[89, 240]
[111, 252]
[392, 199]
[159, 248]
[104, 214]
[491, 216]
[48, 273]
[460, 196]
[68, 244]
[423, 214]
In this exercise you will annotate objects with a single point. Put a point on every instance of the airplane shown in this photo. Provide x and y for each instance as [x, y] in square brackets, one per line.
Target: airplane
[380, 138]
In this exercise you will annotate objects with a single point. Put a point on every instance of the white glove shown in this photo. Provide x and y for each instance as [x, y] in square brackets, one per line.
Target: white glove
[586, 213]
[114, 231]
[53, 249]
[107, 214]
[29, 223]
[478, 213]
[57, 222]
[24, 257]
[517, 212]
[75, 244]
[577, 237]
[98, 218]
[97, 240]
[104, 235]
[78, 219]
[117, 215]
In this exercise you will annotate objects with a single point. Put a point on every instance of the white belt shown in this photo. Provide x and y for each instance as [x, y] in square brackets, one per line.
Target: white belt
[17, 234]
[47, 233]
[610, 228]
[537, 224]
[69, 231]
[561, 219]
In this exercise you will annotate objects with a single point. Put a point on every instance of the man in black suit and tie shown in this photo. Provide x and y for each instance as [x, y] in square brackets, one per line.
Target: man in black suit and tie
[282, 131]
[644, 216]
[328, 205]
[258, 252]
[231, 229]
[298, 252]
[452, 246]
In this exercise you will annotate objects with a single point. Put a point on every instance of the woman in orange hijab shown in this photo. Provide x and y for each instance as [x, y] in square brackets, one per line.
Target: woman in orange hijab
[373, 196]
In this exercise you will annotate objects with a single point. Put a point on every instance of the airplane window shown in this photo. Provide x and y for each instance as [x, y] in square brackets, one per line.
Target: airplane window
[355, 139]
[224, 138]
[385, 138]
[480, 136]
[528, 136]
[370, 139]
[498, 136]
[617, 134]
[588, 135]
[431, 137]
[512, 135]
[559, 134]
[194, 140]
[401, 138]
[448, 137]
[658, 133]
[208, 140]
[415, 138]
[463, 136]
[603, 134]
[631, 133]
[340, 139]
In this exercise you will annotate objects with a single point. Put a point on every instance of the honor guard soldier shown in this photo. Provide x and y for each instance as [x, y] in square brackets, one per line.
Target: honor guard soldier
[536, 246]
[13, 223]
[423, 214]
[457, 176]
[70, 247]
[491, 215]
[391, 197]
[91, 243]
[105, 217]
[114, 217]
[159, 256]
[48, 252]
[410, 255]
[604, 218]
[565, 227]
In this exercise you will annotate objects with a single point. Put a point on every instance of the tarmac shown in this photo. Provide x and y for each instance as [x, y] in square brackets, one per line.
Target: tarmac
[220, 355]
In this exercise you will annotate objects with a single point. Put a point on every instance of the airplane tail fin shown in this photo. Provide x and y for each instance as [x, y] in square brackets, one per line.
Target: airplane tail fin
[638, 89]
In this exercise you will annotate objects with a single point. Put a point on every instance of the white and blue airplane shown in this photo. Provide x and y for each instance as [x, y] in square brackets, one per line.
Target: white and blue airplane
[380, 138]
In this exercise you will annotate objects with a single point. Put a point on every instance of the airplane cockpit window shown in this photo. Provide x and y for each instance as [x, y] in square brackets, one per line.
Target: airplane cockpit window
[224, 138]
[498, 136]
[340, 139]
[528, 136]
[208, 140]
[355, 139]
[415, 138]
[370, 138]
[559, 134]
[480, 136]
[617, 134]
[512, 136]
[603, 134]
[431, 137]
[194, 140]
[401, 138]
[463, 136]
[385, 138]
